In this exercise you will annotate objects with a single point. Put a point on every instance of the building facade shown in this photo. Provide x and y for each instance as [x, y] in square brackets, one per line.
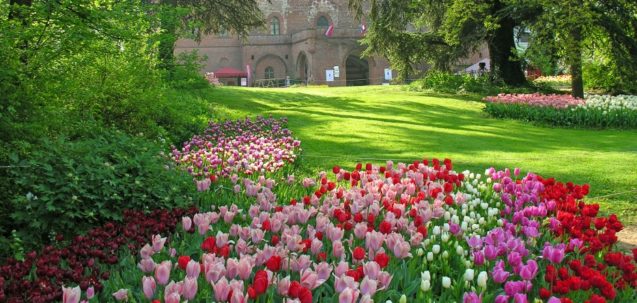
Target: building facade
[294, 46]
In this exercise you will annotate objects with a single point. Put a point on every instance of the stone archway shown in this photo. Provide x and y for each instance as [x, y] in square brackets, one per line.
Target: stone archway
[302, 67]
[356, 71]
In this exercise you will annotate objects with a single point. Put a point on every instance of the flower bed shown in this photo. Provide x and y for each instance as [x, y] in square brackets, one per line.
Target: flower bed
[83, 260]
[416, 232]
[563, 110]
[241, 148]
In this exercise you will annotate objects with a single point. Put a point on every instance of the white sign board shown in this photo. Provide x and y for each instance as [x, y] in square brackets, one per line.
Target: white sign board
[244, 81]
[388, 74]
[337, 72]
[329, 75]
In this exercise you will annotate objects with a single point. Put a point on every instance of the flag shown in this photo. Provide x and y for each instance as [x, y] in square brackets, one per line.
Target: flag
[329, 31]
[249, 72]
[363, 27]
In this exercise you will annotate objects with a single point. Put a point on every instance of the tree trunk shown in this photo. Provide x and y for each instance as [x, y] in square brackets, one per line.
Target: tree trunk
[575, 61]
[503, 63]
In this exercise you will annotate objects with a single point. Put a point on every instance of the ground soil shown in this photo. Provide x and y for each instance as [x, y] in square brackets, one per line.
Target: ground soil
[628, 237]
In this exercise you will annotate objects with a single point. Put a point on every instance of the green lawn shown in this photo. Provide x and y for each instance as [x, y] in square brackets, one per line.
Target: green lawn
[345, 125]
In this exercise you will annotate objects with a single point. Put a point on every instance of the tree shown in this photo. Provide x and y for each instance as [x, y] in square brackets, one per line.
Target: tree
[578, 29]
[195, 18]
[451, 28]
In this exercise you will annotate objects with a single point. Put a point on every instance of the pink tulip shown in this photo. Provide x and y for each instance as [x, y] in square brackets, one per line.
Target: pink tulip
[146, 251]
[348, 296]
[529, 270]
[186, 222]
[283, 285]
[374, 240]
[146, 265]
[90, 292]
[203, 228]
[384, 279]
[190, 288]
[222, 289]
[316, 246]
[232, 268]
[323, 271]
[309, 279]
[71, 295]
[162, 272]
[344, 282]
[172, 298]
[244, 268]
[149, 287]
[238, 297]
[371, 269]
[214, 272]
[158, 243]
[337, 249]
[193, 268]
[121, 295]
[368, 286]
[341, 268]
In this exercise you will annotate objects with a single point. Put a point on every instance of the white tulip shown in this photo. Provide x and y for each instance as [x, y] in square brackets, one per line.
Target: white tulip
[445, 237]
[445, 226]
[430, 256]
[435, 249]
[425, 285]
[445, 254]
[468, 274]
[459, 250]
[482, 279]
[425, 275]
[420, 252]
[436, 230]
[403, 299]
[446, 282]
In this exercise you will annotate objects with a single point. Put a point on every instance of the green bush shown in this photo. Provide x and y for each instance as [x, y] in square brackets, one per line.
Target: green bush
[186, 74]
[448, 83]
[65, 187]
[564, 117]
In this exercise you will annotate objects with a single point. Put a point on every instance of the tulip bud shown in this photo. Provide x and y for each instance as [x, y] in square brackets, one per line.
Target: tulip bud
[403, 299]
[446, 282]
[468, 274]
[430, 256]
[459, 250]
[482, 279]
[420, 252]
[425, 285]
[436, 249]
[425, 275]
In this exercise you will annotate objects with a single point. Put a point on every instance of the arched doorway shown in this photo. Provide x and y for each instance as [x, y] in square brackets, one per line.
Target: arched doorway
[302, 67]
[357, 71]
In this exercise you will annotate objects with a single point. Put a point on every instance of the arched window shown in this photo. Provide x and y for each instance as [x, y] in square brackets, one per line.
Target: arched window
[322, 22]
[275, 26]
[269, 72]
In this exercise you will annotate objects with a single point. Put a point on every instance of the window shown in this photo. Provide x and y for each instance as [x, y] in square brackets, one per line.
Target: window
[322, 22]
[269, 72]
[275, 27]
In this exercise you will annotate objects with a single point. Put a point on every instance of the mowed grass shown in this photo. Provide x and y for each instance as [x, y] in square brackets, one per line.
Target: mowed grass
[340, 126]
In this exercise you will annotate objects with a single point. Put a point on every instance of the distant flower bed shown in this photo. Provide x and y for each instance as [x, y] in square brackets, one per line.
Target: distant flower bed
[595, 111]
[418, 232]
[557, 81]
[238, 148]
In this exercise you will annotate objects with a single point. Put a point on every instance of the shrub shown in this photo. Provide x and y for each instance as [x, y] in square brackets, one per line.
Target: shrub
[63, 187]
[465, 83]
